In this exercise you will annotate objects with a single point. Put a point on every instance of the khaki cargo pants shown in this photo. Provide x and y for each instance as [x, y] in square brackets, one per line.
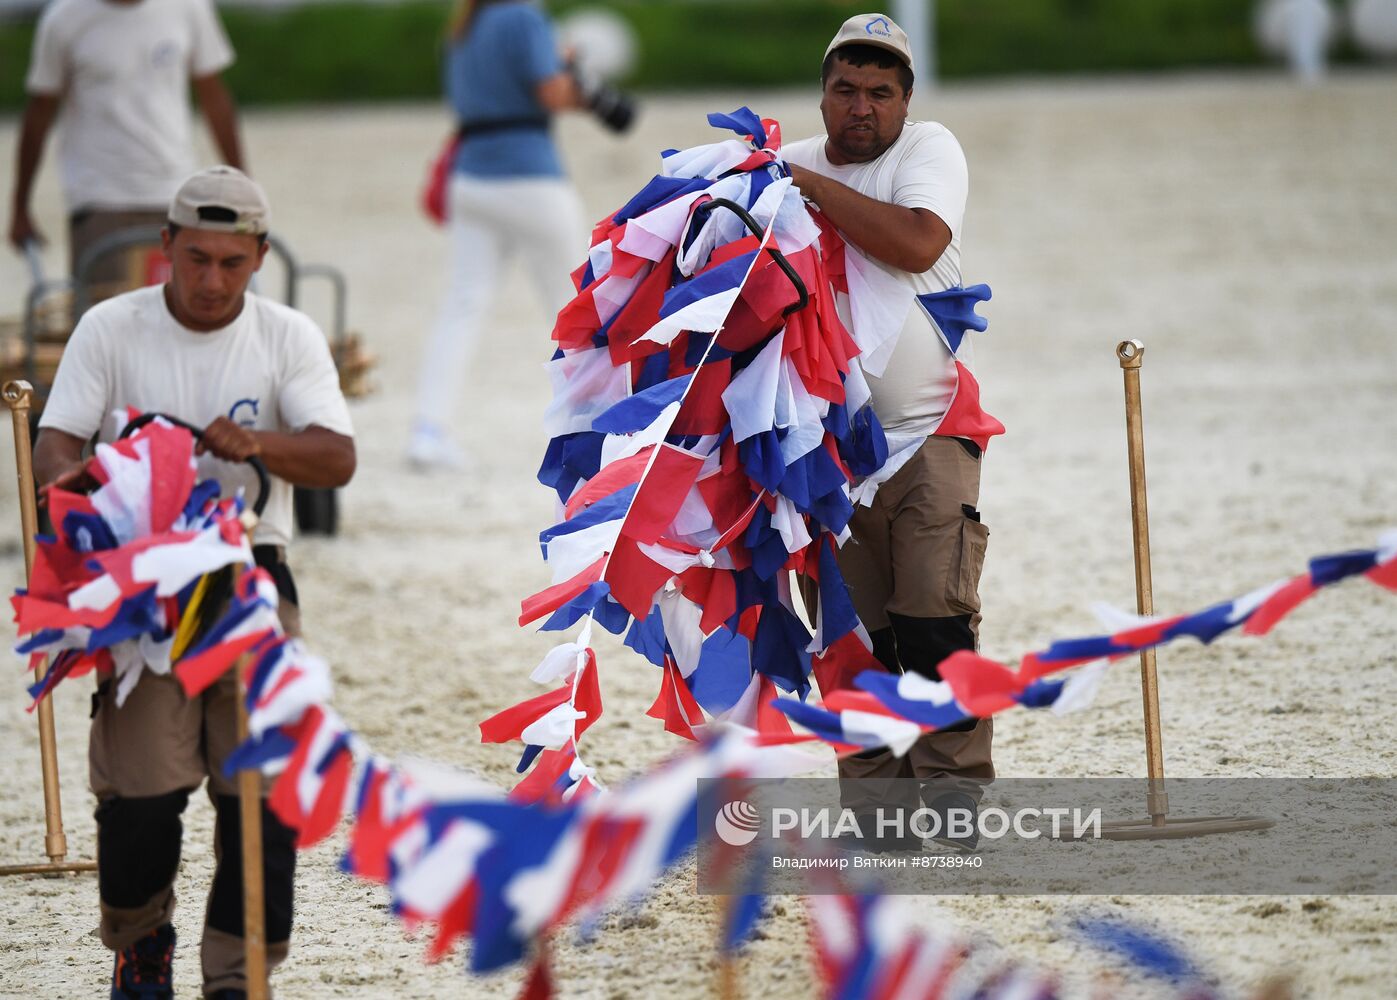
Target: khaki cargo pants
[144, 758]
[913, 570]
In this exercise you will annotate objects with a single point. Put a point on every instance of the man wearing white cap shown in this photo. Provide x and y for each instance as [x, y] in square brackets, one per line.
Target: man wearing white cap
[896, 190]
[257, 376]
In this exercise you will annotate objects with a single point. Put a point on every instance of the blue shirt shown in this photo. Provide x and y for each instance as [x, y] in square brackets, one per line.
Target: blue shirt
[491, 74]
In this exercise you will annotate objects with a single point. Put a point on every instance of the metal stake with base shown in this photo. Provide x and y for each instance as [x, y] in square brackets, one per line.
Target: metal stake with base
[18, 395]
[1160, 825]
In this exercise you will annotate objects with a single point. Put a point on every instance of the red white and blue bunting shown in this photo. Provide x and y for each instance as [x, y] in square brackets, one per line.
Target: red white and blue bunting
[709, 439]
[711, 434]
[889, 710]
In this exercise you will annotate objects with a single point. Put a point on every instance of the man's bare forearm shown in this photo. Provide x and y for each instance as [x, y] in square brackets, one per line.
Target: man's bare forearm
[910, 239]
[39, 113]
[56, 454]
[315, 457]
[216, 101]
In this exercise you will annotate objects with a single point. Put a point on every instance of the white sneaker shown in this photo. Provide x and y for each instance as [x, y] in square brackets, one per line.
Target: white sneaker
[432, 451]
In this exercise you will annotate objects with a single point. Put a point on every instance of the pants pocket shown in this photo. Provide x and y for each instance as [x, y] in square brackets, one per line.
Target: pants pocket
[963, 582]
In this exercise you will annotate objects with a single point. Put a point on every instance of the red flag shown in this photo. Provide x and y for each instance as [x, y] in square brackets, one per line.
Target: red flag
[980, 684]
[634, 577]
[329, 804]
[541, 783]
[618, 474]
[605, 846]
[964, 418]
[539, 985]
[550, 600]
[196, 673]
[675, 706]
[842, 661]
[455, 922]
[703, 411]
[714, 590]
[661, 494]
[1384, 575]
[638, 314]
[510, 723]
[1278, 605]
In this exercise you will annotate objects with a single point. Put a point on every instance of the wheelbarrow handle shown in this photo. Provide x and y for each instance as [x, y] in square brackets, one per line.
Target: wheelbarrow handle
[35, 260]
[263, 480]
[776, 255]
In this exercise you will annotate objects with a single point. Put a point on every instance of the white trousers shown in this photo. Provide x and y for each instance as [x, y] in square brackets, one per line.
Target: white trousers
[489, 220]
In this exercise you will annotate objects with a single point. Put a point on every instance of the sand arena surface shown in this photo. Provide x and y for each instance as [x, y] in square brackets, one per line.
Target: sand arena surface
[1243, 229]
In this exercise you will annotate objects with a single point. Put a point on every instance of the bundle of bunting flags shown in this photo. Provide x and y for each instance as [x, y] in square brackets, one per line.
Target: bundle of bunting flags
[711, 432]
[891, 710]
[123, 583]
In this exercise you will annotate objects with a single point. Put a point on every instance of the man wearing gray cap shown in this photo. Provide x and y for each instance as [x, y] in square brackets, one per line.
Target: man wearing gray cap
[257, 376]
[896, 190]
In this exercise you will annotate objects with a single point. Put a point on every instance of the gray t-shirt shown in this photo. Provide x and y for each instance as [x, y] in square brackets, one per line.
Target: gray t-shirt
[924, 168]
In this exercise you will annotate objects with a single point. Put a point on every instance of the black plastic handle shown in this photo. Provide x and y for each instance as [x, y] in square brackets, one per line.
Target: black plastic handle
[776, 255]
[263, 480]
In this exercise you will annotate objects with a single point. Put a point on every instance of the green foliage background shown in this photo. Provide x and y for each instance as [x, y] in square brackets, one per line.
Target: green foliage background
[346, 51]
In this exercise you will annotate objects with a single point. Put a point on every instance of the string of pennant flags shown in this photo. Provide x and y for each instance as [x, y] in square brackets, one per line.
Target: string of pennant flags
[454, 852]
[710, 435]
[892, 710]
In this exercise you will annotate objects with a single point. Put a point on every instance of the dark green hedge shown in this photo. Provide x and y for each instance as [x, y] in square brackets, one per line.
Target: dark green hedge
[353, 52]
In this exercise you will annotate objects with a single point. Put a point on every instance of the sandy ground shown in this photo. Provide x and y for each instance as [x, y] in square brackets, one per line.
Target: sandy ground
[1245, 230]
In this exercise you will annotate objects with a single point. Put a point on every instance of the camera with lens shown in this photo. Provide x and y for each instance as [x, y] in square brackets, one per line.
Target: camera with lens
[613, 107]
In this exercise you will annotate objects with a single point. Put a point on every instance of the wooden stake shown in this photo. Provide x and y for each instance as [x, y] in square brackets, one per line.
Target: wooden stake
[1160, 826]
[254, 901]
[727, 960]
[250, 816]
[1132, 354]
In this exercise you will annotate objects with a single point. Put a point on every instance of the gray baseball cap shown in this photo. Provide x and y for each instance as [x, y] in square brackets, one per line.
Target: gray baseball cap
[874, 29]
[221, 199]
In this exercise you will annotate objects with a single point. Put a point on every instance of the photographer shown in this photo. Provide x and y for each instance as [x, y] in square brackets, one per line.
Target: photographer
[505, 79]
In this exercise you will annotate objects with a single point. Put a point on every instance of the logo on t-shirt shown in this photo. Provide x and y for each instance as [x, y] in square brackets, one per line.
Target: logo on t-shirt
[250, 421]
[165, 54]
[879, 26]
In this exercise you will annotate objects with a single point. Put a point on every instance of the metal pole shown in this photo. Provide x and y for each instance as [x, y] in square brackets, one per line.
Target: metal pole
[918, 19]
[1131, 354]
[18, 395]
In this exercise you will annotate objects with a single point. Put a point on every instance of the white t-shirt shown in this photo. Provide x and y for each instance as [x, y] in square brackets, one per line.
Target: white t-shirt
[123, 70]
[924, 168]
[270, 369]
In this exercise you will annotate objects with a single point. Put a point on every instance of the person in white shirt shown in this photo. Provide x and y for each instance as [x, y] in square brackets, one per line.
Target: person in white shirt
[119, 72]
[258, 377]
[896, 190]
